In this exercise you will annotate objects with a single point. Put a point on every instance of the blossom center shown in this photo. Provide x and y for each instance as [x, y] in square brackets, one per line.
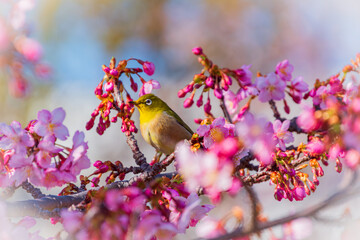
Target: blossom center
[216, 134]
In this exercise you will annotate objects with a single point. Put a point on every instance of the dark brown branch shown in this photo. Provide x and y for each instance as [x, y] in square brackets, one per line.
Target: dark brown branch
[275, 111]
[139, 157]
[225, 111]
[254, 202]
[35, 192]
[44, 206]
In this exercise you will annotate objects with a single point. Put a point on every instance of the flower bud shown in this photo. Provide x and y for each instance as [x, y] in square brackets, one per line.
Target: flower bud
[109, 86]
[149, 68]
[209, 82]
[90, 124]
[218, 92]
[197, 120]
[181, 93]
[197, 51]
[98, 163]
[188, 102]
[207, 106]
[199, 102]
[189, 87]
[105, 69]
[114, 72]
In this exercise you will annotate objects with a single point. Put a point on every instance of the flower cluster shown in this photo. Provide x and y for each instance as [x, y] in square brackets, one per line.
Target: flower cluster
[160, 211]
[19, 53]
[33, 153]
[113, 94]
[331, 126]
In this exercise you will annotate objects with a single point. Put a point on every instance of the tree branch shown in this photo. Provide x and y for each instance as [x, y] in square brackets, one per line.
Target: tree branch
[41, 207]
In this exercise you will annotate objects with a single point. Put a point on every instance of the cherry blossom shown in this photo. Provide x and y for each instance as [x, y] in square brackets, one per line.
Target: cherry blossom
[284, 70]
[216, 131]
[281, 134]
[51, 124]
[271, 87]
[148, 87]
[204, 169]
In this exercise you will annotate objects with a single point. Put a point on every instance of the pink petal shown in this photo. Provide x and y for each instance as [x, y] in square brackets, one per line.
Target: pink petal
[58, 115]
[277, 125]
[6, 143]
[278, 94]
[27, 140]
[78, 138]
[147, 88]
[285, 125]
[155, 84]
[20, 160]
[6, 130]
[264, 96]
[203, 129]
[16, 126]
[41, 129]
[218, 122]
[44, 116]
[61, 132]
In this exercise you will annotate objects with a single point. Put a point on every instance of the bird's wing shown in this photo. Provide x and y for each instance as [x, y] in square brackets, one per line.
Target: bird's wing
[180, 121]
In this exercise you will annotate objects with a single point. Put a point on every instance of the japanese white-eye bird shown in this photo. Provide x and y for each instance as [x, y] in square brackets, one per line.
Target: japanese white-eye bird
[160, 126]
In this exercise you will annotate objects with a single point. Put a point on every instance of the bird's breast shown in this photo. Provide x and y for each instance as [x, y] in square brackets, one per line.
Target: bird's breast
[163, 132]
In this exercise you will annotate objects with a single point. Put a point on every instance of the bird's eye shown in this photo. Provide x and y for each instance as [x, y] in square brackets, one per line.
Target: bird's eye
[148, 102]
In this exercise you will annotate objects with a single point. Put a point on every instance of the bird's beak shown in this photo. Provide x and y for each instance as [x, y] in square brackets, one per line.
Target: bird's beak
[133, 102]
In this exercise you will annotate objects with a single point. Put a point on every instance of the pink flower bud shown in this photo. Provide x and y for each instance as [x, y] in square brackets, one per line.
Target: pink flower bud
[188, 102]
[189, 87]
[181, 93]
[95, 181]
[279, 194]
[286, 107]
[207, 106]
[197, 51]
[106, 69]
[98, 91]
[109, 86]
[224, 85]
[227, 79]
[299, 193]
[114, 72]
[98, 163]
[197, 120]
[218, 93]
[103, 168]
[134, 86]
[90, 124]
[114, 119]
[149, 68]
[209, 82]
[199, 102]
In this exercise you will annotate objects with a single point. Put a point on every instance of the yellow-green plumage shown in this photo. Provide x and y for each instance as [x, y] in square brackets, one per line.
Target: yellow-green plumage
[160, 126]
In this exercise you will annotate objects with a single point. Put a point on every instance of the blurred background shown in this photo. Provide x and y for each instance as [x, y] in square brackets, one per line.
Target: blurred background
[73, 38]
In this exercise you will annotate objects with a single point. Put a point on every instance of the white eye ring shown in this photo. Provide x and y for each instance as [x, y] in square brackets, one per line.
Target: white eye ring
[148, 102]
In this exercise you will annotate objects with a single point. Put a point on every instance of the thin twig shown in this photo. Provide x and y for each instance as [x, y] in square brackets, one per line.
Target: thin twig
[254, 201]
[275, 110]
[225, 111]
